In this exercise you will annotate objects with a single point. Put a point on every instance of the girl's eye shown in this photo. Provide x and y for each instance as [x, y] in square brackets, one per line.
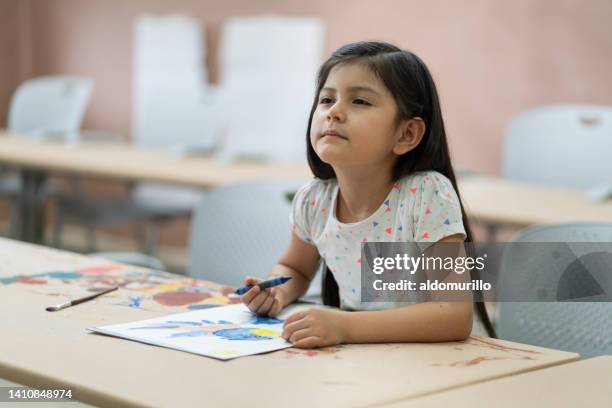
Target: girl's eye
[325, 100]
[360, 101]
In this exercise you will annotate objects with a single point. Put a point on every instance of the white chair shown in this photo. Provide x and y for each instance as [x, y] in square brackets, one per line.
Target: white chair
[562, 145]
[559, 145]
[268, 68]
[582, 327]
[41, 108]
[175, 109]
[52, 106]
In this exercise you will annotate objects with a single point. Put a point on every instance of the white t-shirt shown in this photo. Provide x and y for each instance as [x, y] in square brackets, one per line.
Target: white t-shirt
[421, 207]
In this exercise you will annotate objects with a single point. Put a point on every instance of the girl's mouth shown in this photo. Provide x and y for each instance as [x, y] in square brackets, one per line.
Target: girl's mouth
[333, 133]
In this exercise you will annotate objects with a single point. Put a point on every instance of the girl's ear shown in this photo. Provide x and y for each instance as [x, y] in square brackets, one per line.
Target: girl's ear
[411, 133]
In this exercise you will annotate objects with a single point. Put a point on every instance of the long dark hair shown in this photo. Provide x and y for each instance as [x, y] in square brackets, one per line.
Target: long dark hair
[409, 81]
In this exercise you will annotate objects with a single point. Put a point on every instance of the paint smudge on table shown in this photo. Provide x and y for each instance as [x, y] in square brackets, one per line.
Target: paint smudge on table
[149, 288]
[497, 345]
[510, 353]
[32, 281]
[135, 301]
[472, 362]
[179, 298]
[323, 351]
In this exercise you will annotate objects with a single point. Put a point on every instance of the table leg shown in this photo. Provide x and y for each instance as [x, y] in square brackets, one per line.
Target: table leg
[31, 206]
[491, 233]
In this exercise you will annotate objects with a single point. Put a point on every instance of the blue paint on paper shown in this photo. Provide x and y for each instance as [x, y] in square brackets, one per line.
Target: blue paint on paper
[201, 306]
[195, 333]
[239, 334]
[184, 322]
[157, 326]
[266, 320]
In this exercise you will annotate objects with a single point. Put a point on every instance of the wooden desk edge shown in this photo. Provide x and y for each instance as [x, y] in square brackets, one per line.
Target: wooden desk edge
[575, 357]
[85, 395]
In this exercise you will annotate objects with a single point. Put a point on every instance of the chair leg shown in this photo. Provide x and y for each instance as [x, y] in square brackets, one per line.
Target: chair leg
[491, 232]
[151, 237]
[14, 219]
[58, 225]
[92, 245]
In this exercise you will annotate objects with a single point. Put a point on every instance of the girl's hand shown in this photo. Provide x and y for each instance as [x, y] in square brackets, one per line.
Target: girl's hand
[266, 302]
[314, 328]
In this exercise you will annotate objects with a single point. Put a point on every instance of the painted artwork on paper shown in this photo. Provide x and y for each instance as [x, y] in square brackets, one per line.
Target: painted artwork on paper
[223, 332]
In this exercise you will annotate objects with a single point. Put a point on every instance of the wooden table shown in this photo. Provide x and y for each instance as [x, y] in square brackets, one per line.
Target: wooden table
[36, 159]
[583, 383]
[40, 349]
[499, 202]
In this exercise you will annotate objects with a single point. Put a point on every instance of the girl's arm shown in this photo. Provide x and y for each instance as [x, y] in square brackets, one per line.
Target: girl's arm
[422, 322]
[300, 262]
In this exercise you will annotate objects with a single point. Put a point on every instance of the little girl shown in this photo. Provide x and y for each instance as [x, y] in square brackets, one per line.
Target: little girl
[378, 150]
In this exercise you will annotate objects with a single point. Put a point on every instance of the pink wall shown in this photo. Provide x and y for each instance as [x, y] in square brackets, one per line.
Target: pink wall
[491, 59]
[15, 46]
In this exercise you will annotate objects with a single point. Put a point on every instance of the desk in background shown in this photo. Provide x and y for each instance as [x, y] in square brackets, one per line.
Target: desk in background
[39, 348]
[36, 160]
[492, 201]
[499, 202]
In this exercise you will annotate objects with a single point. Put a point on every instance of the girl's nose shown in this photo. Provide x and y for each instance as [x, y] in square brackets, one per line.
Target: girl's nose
[335, 113]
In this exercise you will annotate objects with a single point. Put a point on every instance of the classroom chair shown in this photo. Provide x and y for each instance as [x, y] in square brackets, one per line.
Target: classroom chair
[42, 108]
[268, 85]
[236, 230]
[242, 230]
[146, 205]
[560, 145]
[582, 327]
[173, 111]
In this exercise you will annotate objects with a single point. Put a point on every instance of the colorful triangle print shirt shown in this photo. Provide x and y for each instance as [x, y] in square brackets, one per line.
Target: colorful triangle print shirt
[421, 207]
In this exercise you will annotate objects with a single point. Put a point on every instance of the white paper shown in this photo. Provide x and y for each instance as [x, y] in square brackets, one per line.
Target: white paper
[223, 332]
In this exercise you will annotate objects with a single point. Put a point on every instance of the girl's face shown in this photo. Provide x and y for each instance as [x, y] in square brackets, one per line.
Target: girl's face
[355, 119]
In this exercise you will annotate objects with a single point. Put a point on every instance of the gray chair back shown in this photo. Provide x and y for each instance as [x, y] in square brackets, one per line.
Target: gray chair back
[241, 230]
[582, 327]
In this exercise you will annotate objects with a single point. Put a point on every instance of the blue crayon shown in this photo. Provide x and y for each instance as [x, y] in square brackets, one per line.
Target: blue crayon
[263, 285]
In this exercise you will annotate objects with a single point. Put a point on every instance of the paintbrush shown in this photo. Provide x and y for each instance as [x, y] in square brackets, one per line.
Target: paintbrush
[79, 300]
